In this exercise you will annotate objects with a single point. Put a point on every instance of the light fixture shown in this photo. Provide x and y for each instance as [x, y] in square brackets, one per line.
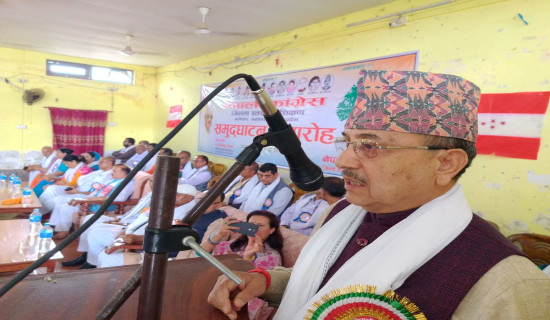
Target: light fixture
[398, 22]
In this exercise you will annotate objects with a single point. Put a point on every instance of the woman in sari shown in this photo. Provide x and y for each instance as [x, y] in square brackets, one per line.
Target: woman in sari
[56, 169]
[92, 160]
[263, 250]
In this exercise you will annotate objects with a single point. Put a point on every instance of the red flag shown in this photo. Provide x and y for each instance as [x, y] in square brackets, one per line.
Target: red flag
[174, 117]
[510, 124]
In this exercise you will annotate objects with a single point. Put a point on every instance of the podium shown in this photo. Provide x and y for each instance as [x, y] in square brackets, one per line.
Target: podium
[82, 294]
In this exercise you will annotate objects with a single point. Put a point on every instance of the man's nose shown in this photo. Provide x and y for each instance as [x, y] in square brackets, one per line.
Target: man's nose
[347, 159]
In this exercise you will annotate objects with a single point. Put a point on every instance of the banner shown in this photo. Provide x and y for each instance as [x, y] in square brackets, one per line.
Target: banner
[316, 102]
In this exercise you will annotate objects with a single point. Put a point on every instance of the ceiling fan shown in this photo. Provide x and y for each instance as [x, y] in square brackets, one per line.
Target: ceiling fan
[129, 51]
[203, 28]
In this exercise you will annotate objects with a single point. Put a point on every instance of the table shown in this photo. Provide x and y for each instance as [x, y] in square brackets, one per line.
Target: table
[17, 208]
[18, 250]
[81, 294]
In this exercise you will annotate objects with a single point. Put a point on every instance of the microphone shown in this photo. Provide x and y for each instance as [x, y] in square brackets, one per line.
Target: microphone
[305, 174]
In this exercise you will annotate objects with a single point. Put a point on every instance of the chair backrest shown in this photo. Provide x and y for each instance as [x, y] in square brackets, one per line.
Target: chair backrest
[535, 246]
[293, 242]
[140, 185]
[212, 182]
[297, 192]
[218, 169]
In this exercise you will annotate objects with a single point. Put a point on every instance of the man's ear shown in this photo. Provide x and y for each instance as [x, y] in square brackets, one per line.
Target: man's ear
[451, 162]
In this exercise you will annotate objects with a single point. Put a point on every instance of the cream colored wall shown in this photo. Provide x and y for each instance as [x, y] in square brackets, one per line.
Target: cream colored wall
[483, 41]
[132, 106]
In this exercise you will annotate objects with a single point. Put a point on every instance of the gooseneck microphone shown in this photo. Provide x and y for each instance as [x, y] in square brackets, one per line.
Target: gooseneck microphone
[303, 172]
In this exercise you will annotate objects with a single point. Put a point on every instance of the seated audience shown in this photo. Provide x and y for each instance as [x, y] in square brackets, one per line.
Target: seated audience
[92, 159]
[141, 152]
[75, 168]
[48, 159]
[304, 213]
[150, 146]
[127, 152]
[100, 239]
[239, 189]
[263, 250]
[185, 165]
[200, 175]
[111, 225]
[271, 194]
[57, 193]
[62, 216]
[212, 213]
[56, 169]
[150, 165]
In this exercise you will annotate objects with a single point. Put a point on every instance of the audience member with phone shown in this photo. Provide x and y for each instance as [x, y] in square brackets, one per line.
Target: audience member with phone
[261, 243]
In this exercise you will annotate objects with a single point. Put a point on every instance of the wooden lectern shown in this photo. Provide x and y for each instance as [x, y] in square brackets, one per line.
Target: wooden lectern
[82, 294]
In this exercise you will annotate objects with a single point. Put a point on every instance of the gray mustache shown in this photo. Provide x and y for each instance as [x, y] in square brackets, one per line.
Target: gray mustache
[352, 175]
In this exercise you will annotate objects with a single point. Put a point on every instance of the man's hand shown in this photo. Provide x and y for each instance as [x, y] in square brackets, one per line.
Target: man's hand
[253, 286]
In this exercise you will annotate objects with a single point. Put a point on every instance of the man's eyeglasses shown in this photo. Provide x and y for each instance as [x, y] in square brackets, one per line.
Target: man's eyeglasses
[366, 148]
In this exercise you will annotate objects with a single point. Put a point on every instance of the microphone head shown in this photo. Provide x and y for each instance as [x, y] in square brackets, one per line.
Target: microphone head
[305, 174]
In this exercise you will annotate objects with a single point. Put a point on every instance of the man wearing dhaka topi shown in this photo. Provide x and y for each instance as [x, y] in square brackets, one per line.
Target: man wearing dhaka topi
[404, 242]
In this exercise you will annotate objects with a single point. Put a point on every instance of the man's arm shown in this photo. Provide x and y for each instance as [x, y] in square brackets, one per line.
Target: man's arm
[513, 289]
[280, 201]
[197, 179]
[124, 156]
[287, 215]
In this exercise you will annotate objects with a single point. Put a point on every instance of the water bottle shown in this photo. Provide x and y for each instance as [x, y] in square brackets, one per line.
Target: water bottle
[35, 218]
[3, 180]
[46, 235]
[27, 197]
[16, 190]
[10, 181]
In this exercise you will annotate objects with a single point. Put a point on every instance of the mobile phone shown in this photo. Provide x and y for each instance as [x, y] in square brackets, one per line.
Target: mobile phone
[68, 188]
[246, 228]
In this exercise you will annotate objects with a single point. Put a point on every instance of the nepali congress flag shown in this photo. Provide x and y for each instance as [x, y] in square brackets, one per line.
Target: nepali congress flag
[174, 117]
[510, 124]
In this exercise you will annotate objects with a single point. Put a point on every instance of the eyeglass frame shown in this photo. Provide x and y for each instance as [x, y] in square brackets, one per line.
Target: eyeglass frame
[375, 146]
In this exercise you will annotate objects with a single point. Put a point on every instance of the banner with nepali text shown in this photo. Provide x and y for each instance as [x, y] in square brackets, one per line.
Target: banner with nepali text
[315, 102]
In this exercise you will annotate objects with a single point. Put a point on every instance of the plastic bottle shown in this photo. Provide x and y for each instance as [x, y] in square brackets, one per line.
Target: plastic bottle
[27, 197]
[10, 181]
[46, 235]
[16, 189]
[35, 222]
[3, 179]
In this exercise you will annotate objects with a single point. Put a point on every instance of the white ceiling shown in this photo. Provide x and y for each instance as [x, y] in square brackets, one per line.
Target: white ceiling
[162, 30]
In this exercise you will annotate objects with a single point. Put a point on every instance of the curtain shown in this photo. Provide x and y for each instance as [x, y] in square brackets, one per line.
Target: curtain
[80, 130]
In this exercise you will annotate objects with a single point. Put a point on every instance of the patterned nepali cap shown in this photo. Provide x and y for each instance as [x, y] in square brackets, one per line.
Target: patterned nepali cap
[416, 102]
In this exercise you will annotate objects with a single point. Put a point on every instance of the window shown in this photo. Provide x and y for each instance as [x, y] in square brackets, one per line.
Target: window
[89, 72]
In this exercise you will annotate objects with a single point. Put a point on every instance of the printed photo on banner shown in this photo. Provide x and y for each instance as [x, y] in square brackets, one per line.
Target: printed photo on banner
[315, 102]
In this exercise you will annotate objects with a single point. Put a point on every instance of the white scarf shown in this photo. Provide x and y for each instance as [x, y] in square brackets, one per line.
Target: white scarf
[385, 263]
[69, 174]
[131, 215]
[55, 166]
[46, 161]
[258, 196]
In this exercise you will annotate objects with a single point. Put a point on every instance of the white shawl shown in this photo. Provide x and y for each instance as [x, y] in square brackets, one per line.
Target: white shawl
[385, 263]
[258, 196]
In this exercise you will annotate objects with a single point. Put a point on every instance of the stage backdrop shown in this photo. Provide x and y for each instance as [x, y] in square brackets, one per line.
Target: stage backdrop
[316, 102]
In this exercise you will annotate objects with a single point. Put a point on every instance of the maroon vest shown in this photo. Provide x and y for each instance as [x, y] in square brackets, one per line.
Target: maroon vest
[438, 286]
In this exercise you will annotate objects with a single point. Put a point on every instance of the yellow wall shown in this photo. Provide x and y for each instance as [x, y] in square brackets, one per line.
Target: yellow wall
[132, 106]
[483, 41]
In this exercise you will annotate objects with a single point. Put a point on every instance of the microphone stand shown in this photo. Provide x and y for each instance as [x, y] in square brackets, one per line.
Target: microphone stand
[160, 239]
